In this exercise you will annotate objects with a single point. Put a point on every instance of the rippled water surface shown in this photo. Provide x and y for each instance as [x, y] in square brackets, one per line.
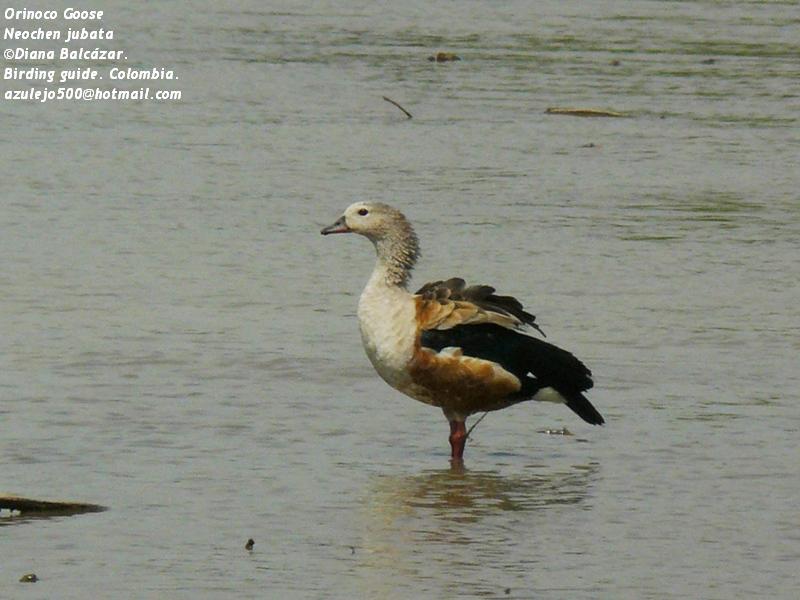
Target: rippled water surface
[179, 343]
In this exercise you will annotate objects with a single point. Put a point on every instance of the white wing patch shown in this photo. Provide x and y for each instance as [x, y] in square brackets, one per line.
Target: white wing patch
[548, 394]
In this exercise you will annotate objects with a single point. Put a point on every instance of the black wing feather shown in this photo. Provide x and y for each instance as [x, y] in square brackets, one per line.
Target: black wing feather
[537, 364]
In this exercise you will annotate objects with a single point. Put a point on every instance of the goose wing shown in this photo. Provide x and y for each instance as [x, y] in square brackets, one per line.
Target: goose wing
[446, 304]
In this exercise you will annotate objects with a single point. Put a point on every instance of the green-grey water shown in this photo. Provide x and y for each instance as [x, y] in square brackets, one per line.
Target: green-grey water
[179, 343]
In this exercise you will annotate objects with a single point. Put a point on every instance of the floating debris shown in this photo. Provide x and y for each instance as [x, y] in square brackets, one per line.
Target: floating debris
[46, 508]
[390, 101]
[249, 545]
[562, 431]
[708, 61]
[582, 112]
[444, 57]
[29, 578]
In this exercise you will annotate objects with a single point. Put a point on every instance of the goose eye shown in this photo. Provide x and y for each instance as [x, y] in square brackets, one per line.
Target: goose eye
[363, 212]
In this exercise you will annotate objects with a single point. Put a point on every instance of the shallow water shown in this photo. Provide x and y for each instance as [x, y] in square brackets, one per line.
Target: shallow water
[179, 343]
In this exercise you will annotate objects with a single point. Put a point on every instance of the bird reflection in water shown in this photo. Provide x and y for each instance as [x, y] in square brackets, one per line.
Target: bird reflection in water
[418, 527]
[460, 494]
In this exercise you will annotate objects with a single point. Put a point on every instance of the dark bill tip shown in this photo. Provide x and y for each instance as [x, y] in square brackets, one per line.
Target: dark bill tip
[338, 227]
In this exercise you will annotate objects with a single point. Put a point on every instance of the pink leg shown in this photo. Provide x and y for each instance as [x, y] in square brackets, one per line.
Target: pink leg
[458, 438]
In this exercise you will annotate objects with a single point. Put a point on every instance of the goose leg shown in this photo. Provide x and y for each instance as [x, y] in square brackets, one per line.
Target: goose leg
[458, 438]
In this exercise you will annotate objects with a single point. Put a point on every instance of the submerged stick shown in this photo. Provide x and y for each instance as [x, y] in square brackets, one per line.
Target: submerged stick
[582, 112]
[390, 101]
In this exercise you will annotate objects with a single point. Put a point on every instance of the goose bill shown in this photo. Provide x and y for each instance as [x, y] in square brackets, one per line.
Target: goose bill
[338, 227]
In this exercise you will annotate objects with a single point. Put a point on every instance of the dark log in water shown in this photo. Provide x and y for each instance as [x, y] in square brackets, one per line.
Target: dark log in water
[29, 506]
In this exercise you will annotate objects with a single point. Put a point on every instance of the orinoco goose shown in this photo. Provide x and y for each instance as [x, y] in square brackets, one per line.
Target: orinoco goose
[459, 348]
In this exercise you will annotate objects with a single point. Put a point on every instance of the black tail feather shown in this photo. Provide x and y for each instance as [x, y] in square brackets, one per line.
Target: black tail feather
[584, 409]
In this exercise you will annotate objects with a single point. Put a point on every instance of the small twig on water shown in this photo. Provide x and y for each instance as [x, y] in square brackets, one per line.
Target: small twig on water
[390, 101]
[475, 424]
